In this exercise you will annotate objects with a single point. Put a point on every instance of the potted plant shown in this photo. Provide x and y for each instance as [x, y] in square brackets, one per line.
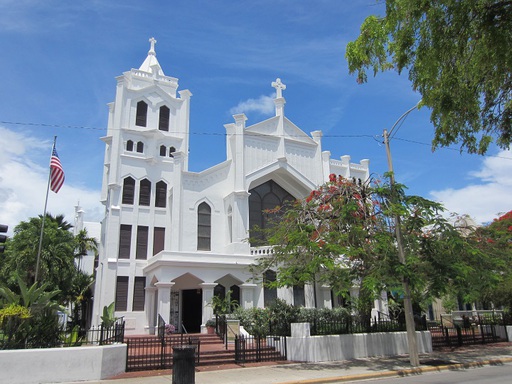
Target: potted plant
[210, 326]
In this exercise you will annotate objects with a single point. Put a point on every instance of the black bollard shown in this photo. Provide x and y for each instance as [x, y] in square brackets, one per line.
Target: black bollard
[183, 364]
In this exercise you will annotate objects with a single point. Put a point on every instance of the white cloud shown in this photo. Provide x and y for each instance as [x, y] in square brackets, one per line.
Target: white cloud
[24, 180]
[489, 196]
[263, 105]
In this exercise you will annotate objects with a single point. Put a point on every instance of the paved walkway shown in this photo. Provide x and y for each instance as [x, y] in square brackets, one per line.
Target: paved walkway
[335, 372]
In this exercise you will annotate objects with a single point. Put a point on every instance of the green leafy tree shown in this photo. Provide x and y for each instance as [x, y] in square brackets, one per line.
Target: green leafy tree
[458, 57]
[343, 232]
[57, 261]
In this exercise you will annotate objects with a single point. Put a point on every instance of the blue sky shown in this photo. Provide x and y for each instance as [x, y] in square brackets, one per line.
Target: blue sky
[60, 59]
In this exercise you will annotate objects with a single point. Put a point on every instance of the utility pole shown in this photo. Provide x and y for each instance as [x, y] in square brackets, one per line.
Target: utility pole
[409, 317]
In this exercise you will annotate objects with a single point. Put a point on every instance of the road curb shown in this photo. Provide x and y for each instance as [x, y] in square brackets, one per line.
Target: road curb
[402, 372]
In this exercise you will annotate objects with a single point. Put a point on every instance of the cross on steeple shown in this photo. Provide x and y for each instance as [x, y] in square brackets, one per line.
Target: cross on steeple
[279, 86]
[152, 48]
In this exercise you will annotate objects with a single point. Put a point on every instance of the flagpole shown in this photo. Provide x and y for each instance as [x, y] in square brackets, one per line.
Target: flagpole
[44, 214]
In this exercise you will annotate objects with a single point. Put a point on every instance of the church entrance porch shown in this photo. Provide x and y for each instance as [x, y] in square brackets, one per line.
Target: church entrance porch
[191, 310]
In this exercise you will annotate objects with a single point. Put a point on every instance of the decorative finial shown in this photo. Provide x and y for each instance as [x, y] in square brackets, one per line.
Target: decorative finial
[279, 86]
[152, 49]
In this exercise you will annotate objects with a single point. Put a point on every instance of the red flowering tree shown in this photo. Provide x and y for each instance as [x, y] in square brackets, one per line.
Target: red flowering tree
[343, 234]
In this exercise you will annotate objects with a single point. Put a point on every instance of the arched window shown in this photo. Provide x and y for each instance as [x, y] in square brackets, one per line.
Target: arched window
[129, 146]
[128, 190]
[161, 194]
[171, 151]
[163, 122]
[142, 114]
[140, 147]
[145, 192]
[265, 196]
[163, 150]
[204, 227]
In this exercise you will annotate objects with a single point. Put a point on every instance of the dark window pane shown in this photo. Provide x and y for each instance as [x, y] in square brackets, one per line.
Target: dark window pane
[145, 192]
[171, 151]
[265, 196]
[125, 238]
[161, 194]
[139, 293]
[128, 190]
[158, 240]
[142, 114]
[142, 243]
[269, 294]
[140, 147]
[163, 150]
[299, 299]
[204, 227]
[121, 293]
[163, 123]
[129, 145]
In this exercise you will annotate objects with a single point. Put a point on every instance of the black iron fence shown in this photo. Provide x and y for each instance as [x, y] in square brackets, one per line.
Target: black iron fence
[66, 337]
[341, 325]
[258, 349]
[468, 329]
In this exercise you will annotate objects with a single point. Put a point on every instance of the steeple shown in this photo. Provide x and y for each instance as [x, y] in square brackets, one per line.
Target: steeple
[151, 65]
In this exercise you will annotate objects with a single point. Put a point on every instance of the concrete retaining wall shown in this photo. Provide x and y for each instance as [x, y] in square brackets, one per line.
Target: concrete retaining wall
[302, 347]
[55, 365]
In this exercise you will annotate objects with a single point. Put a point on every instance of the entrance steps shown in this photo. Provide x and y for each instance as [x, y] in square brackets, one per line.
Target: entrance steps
[212, 351]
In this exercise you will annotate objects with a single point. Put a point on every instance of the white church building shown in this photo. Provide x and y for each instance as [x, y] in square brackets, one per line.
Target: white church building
[172, 238]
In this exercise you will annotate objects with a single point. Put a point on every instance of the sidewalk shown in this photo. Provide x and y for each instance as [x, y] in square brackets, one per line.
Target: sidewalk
[332, 372]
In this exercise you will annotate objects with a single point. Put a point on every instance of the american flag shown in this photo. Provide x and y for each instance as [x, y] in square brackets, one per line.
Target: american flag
[56, 172]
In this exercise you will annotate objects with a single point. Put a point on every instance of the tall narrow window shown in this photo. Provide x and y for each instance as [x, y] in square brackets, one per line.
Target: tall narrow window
[138, 293]
[145, 192]
[161, 194]
[129, 145]
[140, 147]
[142, 243]
[125, 238]
[204, 227]
[158, 240]
[128, 190]
[121, 293]
[230, 224]
[269, 294]
[163, 150]
[163, 123]
[142, 114]
[171, 151]
[299, 299]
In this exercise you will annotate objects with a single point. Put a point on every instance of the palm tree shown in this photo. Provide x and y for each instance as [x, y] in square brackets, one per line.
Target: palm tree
[84, 244]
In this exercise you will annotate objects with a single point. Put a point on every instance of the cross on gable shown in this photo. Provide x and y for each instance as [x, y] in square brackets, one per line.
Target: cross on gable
[279, 86]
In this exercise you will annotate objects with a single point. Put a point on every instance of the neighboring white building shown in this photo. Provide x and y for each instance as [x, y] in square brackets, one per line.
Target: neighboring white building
[172, 238]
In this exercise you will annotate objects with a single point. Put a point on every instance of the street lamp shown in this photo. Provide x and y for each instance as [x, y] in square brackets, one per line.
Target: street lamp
[409, 317]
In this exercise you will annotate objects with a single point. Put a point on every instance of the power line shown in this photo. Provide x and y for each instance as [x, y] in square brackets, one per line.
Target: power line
[359, 136]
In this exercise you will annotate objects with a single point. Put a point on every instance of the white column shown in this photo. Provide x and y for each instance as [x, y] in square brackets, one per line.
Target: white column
[325, 296]
[150, 309]
[309, 296]
[164, 299]
[207, 299]
[247, 295]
